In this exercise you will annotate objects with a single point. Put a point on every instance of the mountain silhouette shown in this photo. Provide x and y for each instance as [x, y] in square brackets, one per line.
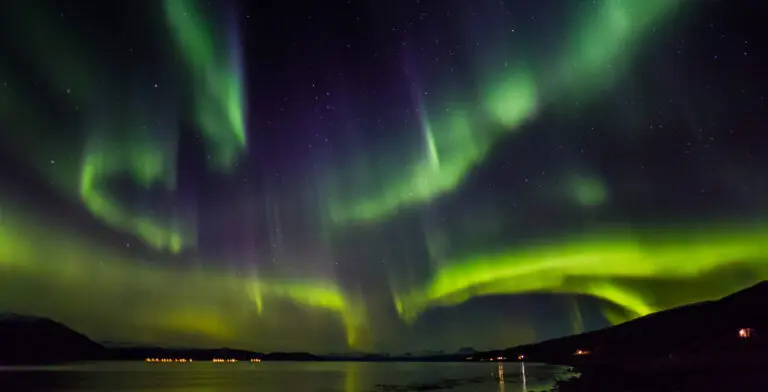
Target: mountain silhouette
[710, 327]
[695, 332]
[29, 339]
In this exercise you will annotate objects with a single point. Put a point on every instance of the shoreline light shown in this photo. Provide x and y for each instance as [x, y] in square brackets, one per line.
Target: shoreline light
[223, 360]
[168, 360]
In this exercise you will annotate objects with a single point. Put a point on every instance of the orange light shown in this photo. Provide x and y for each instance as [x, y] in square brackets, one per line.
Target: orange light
[167, 360]
[520, 357]
[220, 360]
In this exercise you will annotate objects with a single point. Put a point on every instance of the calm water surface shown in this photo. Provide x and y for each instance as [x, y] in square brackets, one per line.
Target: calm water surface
[277, 376]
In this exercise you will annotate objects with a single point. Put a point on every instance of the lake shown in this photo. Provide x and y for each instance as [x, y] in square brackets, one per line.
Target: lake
[277, 376]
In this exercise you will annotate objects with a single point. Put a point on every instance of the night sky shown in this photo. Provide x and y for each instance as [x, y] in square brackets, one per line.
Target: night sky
[378, 175]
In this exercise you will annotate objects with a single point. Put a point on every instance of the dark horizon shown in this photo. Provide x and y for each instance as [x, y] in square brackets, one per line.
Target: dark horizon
[713, 326]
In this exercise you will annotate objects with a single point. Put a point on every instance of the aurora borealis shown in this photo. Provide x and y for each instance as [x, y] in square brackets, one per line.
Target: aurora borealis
[399, 176]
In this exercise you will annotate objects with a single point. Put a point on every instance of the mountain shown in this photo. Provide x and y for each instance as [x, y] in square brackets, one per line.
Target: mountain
[466, 351]
[697, 332]
[705, 333]
[28, 339]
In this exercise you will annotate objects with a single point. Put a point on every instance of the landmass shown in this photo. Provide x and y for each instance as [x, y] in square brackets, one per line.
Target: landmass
[707, 346]
[28, 339]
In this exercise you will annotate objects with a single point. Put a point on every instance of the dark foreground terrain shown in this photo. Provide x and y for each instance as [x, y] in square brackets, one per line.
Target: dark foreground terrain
[717, 345]
[27, 339]
[710, 346]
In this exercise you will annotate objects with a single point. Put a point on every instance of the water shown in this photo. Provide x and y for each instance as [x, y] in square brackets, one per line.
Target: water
[276, 376]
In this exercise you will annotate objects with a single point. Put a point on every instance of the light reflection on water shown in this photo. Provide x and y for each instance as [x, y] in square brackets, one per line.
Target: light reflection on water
[277, 376]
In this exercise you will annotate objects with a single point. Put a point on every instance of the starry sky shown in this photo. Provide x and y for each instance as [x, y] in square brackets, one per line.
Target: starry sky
[391, 176]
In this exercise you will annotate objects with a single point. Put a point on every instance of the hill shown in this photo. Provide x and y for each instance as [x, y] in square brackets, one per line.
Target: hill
[706, 331]
[28, 339]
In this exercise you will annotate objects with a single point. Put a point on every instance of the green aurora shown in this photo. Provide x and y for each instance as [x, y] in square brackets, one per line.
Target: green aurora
[156, 300]
[165, 295]
[459, 140]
